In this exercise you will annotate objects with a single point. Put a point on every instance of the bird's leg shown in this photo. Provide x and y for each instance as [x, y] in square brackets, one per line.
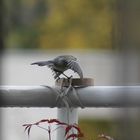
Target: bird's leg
[67, 76]
[58, 78]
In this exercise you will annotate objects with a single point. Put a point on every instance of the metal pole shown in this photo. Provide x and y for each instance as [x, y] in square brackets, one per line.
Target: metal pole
[27, 96]
[92, 96]
[66, 115]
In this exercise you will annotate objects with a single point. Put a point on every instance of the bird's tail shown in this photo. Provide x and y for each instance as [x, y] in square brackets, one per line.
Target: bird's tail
[42, 63]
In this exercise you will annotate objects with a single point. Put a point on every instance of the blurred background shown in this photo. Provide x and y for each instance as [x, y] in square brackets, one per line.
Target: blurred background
[102, 34]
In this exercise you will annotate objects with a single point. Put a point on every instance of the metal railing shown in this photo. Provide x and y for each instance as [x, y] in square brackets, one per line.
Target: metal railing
[90, 96]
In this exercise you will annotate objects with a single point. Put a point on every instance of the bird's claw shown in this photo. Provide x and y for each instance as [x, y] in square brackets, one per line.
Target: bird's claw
[58, 78]
[70, 80]
[70, 77]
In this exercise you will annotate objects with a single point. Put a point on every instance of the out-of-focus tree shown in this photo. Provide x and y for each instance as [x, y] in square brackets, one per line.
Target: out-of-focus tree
[60, 24]
[126, 25]
[78, 24]
[22, 18]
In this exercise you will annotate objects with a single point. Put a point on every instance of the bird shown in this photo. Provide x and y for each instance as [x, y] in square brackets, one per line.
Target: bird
[60, 64]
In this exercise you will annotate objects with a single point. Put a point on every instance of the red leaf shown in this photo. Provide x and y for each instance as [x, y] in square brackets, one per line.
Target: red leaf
[54, 121]
[77, 128]
[44, 120]
[68, 128]
[41, 121]
[27, 126]
[29, 130]
[74, 136]
[71, 136]
[62, 123]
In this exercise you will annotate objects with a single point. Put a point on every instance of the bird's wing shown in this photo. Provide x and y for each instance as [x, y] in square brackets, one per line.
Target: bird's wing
[73, 65]
[43, 63]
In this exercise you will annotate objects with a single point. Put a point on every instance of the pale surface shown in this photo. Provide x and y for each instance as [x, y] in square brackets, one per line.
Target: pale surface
[106, 68]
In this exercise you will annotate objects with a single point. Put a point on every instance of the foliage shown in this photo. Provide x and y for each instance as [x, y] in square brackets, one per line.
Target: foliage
[59, 24]
[70, 134]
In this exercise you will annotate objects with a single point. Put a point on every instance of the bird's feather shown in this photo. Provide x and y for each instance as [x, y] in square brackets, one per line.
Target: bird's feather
[43, 63]
[73, 65]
